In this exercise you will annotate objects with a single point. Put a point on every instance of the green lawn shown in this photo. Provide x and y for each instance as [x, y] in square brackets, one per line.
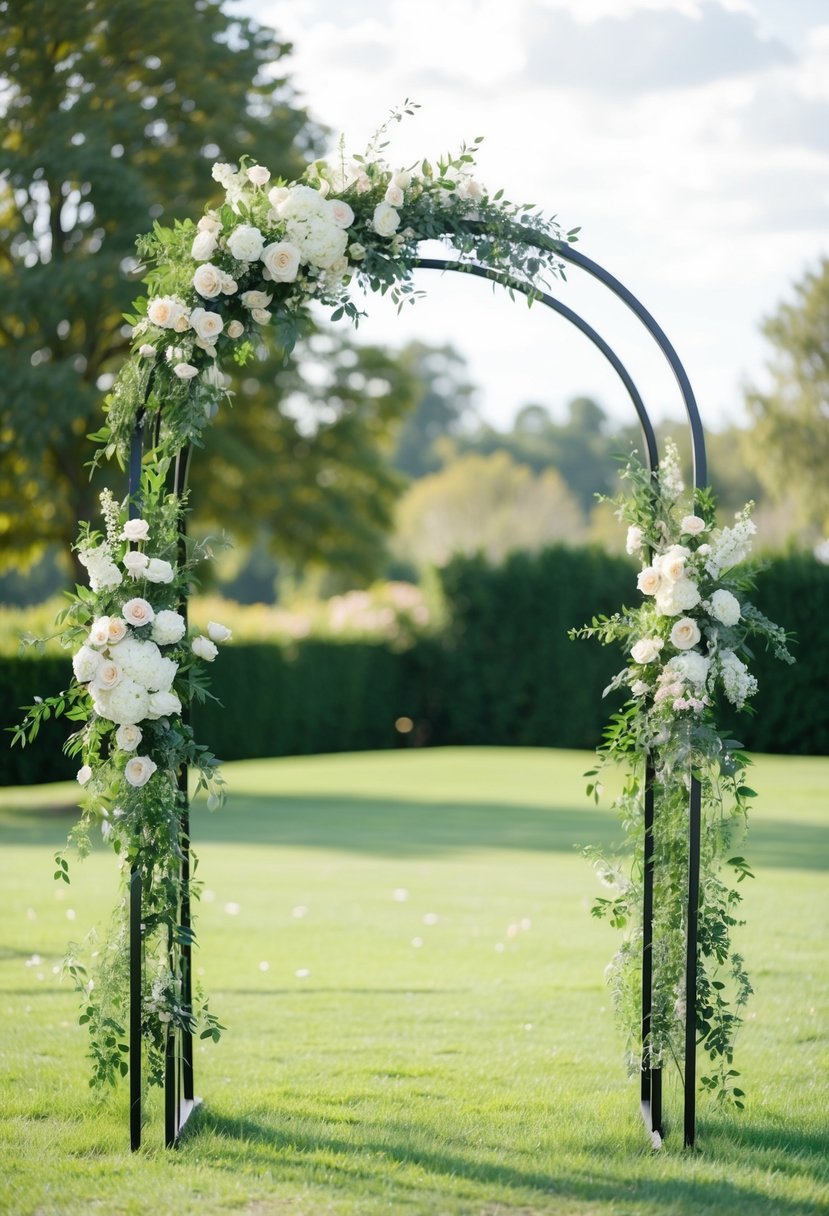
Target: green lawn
[400, 944]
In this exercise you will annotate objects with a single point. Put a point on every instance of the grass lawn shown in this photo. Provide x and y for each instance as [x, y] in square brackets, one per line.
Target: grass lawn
[401, 947]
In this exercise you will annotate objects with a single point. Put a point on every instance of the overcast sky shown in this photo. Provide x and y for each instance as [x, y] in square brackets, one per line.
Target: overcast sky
[688, 138]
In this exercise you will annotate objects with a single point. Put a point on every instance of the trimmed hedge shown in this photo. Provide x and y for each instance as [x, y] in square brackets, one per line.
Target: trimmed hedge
[505, 673]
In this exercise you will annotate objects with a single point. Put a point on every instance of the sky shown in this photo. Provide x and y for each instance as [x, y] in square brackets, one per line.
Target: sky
[689, 139]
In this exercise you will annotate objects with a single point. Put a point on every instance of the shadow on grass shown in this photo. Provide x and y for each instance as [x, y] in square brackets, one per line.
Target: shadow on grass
[407, 827]
[374, 1156]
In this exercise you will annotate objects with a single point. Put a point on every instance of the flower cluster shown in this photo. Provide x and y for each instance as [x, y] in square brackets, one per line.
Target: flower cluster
[686, 645]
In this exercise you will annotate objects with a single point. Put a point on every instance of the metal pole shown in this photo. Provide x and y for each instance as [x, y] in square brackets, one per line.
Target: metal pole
[136, 949]
[694, 834]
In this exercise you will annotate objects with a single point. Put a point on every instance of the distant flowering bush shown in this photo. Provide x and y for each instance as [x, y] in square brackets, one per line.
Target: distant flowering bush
[685, 644]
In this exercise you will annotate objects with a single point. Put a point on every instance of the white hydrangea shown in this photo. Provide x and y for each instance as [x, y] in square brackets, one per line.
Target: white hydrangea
[692, 666]
[300, 203]
[168, 627]
[125, 704]
[319, 240]
[738, 682]
[673, 598]
[246, 243]
[143, 662]
[85, 664]
[725, 607]
[162, 704]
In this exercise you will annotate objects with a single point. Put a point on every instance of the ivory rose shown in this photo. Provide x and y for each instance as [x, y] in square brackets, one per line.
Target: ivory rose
[162, 704]
[159, 571]
[218, 633]
[281, 260]
[340, 213]
[99, 631]
[685, 633]
[116, 630]
[208, 281]
[245, 243]
[256, 299]
[260, 315]
[649, 580]
[138, 612]
[164, 311]
[139, 770]
[204, 648]
[646, 650]
[385, 220]
[135, 530]
[259, 175]
[107, 675]
[671, 563]
[136, 563]
[204, 246]
[235, 329]
[394, 196]
[128, 737]
[185, 371]
[206, 324]
[692, 525]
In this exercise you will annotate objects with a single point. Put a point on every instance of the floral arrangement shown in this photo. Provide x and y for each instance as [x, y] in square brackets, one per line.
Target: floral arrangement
[685, 644]
[251, 266]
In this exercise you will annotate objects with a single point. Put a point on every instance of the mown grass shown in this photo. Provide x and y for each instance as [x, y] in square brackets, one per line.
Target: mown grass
[401, 947]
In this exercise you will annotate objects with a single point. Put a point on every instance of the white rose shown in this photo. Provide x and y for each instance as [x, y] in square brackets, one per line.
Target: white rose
[229, 285]
[218, 633]
[116, 630]
[394, 196]
[125, 703]
[671, 563]
[402, 178]
[356, 251]
[208, 281]
[85, 664]
[277, 195]
[256, 299]
[162, 705]
[385, 220]
[99, 632]
[204, 648]
[281, 259]
[209, 223]
[204, 246]
[223, 173]
[685, 633]
[646, 650]
[725, 607]
[107, 675]
[84, 775]
[206, 324]
[139, 770]
[649, 580]
[136, 563]
[164, 311]
[468, 187]
[128, 736]
[168, 627]
[185, 371]
[340, 212]
[159, 571]
[138, 612]
[259, 175]
[260, 315]
[135, 529]
[182, 324]
[246, 243]
[235, 329]
[692, 525]
[146, 351]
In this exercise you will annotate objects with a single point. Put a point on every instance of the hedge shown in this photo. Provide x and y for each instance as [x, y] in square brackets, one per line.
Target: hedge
[504, 673]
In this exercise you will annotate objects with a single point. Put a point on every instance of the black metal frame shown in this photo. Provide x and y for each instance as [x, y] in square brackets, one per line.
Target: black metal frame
[179, 1100]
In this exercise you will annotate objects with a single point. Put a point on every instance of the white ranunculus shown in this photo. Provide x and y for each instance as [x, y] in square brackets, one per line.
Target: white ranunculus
[385, 220]
[85, 663]
[235, 329]
[259, 175]
[646, 650]
[99, 631]
[107, 676]
[204, 246]
[685, 633]
[725, 607]
[245, 243]
[394, 196]
[208, 281]
[128, 736]
[135, 529]
[340, 212]
[649, 580]
[139, 770]
[138, 612]
[84, 775]
[125, 703]
[116, 630]
[162, 705]
[204, 648]
[218, 633]
[206, 324]
[185, 371]
[159, 571]
[260, 315]
[281, 259]
[256, 299]
[692, 666]
[164, 311]
[168, 627]
[692, 525]
[136, 563]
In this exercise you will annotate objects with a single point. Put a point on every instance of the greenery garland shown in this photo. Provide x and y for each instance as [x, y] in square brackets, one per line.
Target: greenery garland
[254, 264]
[683, 644]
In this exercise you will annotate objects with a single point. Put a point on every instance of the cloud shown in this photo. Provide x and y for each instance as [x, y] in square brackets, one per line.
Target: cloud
[646, 50]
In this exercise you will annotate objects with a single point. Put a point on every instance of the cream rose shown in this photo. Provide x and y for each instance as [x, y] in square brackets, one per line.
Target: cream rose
[256, 299]
[159, 571]
[128, 736]
[185, 371]
[162, 705]
[164, 311]
[136, 563]
[646, 650]
[259, 175]
[229, 285]
[204, 246]
[281, 260]
[245, 243]
[277, 195]
[671, 563]
[204, 648]
[385, 220]
[356, 251]
[208, 281]
[135, 529]
[685, 633]
[692, 525]
[99, 632]
[725, 607]
[218, 633]
[206, 324]
[394, 196]
[138, 612]
[139, 770]
[649, 580]
[260, 315]
[107, 675]
[340, 212]
[209, 223]
[402, 178]
[116, 630]
[235, 329]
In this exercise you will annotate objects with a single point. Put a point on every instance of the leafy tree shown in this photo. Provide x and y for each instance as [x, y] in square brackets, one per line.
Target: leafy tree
[444, 406]
[789, 443]
[112, 112]
[487, 504]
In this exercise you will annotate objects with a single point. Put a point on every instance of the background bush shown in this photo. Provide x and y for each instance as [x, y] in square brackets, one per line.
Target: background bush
[503, 673]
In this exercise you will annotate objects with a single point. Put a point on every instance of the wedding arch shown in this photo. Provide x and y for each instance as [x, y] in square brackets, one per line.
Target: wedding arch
[255, 263]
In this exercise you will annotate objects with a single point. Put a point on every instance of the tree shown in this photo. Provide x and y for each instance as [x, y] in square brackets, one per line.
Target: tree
[789, 444]
[112, 112]
[443, 409]
[487, 504]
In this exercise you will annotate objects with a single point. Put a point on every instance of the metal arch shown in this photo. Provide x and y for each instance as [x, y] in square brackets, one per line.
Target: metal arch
[574, 319]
